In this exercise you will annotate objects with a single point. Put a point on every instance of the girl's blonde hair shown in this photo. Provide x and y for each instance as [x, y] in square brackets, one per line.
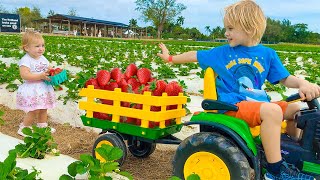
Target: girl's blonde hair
[30, 37]
[247, 15]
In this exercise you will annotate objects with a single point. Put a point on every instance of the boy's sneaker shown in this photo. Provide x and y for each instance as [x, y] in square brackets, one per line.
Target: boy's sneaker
[44, 125]
[287, 173]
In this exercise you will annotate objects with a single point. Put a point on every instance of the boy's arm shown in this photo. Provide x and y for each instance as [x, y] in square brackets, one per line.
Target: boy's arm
[186, 57]
[307, 90]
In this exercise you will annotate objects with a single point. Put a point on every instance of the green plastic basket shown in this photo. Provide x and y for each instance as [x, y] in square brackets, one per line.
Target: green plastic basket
[58, 78]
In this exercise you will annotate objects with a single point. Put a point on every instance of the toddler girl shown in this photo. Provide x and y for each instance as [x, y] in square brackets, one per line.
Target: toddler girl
[34, 96]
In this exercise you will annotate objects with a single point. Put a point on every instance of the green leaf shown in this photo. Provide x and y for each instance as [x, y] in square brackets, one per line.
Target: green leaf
[110, 166]
[115, 154]
[126, 174]
[193, 177]
[27, 131]
[72, 168]
[65, 177]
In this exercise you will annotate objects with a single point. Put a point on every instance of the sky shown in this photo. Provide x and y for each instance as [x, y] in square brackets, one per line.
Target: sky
[199, 13]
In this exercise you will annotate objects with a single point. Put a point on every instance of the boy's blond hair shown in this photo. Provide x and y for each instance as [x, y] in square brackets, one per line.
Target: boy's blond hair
[30, 37]
[247, 15]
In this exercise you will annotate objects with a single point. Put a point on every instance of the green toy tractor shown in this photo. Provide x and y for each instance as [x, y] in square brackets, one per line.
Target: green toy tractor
[225, 148]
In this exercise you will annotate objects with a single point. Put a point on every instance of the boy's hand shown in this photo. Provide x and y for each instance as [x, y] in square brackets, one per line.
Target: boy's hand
[165, 52]
[309, 91]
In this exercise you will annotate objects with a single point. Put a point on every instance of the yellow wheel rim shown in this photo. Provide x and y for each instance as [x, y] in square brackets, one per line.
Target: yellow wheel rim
[207, 165]
[100, 158]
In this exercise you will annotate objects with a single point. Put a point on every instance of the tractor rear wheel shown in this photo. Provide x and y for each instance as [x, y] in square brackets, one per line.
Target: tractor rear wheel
[211, 156]
[140, 149]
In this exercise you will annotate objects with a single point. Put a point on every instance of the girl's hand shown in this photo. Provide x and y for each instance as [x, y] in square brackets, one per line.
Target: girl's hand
[44, 76]
[165, 52]
[309, 91]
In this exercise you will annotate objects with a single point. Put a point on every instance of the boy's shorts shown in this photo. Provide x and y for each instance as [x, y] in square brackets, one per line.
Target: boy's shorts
[249, 111]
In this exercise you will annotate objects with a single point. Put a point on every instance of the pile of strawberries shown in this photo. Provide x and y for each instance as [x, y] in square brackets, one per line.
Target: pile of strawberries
[133, 80]
[54, 71]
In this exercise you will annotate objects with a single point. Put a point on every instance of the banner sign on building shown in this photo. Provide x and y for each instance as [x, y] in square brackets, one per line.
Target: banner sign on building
[9, 22]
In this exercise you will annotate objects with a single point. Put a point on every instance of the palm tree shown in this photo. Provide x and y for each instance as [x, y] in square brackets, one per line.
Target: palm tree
[180, 20]
[208, 30]
[133, 25]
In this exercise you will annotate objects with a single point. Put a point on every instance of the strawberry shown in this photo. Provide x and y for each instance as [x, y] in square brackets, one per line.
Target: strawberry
[57, 70]
[131, 120]
[103, 116]
[116, 74]
[106, 101]
[133, 82]
[144, 75]
[110, 86]
[51, 72]
[92, 81]
[173, 88]
[103, 77]
[131, 71]
[160, 88]
[123, 85]
[145, 88]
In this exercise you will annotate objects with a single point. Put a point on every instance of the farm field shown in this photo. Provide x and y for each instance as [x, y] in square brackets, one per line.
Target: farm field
[83, 57]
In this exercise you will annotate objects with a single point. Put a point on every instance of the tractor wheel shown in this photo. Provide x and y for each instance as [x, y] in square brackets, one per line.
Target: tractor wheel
[211, 156]
[140, 149]
[112, 140]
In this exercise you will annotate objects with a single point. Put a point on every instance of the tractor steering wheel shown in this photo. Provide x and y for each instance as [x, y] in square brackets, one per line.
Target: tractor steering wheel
[313, 104]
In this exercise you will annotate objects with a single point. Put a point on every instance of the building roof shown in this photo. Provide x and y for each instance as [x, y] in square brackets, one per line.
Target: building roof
[76, 19]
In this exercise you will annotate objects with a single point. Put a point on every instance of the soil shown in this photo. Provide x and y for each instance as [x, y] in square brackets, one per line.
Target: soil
[74, 141]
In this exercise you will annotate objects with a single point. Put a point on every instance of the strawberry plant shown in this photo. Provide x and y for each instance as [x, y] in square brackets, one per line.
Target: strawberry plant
[9, 170]
[38, 143]
[1, 120]
[96, 169]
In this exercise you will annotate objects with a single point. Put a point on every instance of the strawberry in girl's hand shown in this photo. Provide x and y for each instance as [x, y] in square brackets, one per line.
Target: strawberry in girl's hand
[144, 75]
[173, 88]
[116, 74]
[131, 71]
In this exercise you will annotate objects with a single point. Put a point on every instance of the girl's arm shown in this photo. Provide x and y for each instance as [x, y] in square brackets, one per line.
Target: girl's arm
[307, 90]
[27, 75]
[186, 57]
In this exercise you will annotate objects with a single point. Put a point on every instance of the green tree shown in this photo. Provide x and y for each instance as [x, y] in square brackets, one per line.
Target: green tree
[301, 32]
[72, 12]
[180, 21]
[208, 30]
[159, 12]
[28, 16]
[51, 13]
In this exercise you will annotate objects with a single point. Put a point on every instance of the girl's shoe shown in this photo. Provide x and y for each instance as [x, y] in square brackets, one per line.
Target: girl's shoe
[44, 125]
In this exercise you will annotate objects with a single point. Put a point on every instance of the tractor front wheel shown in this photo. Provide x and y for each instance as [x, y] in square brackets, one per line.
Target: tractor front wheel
[112, 140]
[211, 156]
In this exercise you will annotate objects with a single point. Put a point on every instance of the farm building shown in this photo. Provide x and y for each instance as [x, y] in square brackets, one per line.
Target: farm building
[74, 25]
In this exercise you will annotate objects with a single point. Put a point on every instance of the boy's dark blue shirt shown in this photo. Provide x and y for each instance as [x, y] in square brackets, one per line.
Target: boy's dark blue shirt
[242, 71]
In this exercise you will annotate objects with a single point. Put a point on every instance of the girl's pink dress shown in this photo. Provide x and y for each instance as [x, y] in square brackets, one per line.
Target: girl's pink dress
[33, 95]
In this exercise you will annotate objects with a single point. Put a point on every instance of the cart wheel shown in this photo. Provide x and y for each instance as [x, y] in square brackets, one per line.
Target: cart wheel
[140, 149]
[211, 156]
[112, 140]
